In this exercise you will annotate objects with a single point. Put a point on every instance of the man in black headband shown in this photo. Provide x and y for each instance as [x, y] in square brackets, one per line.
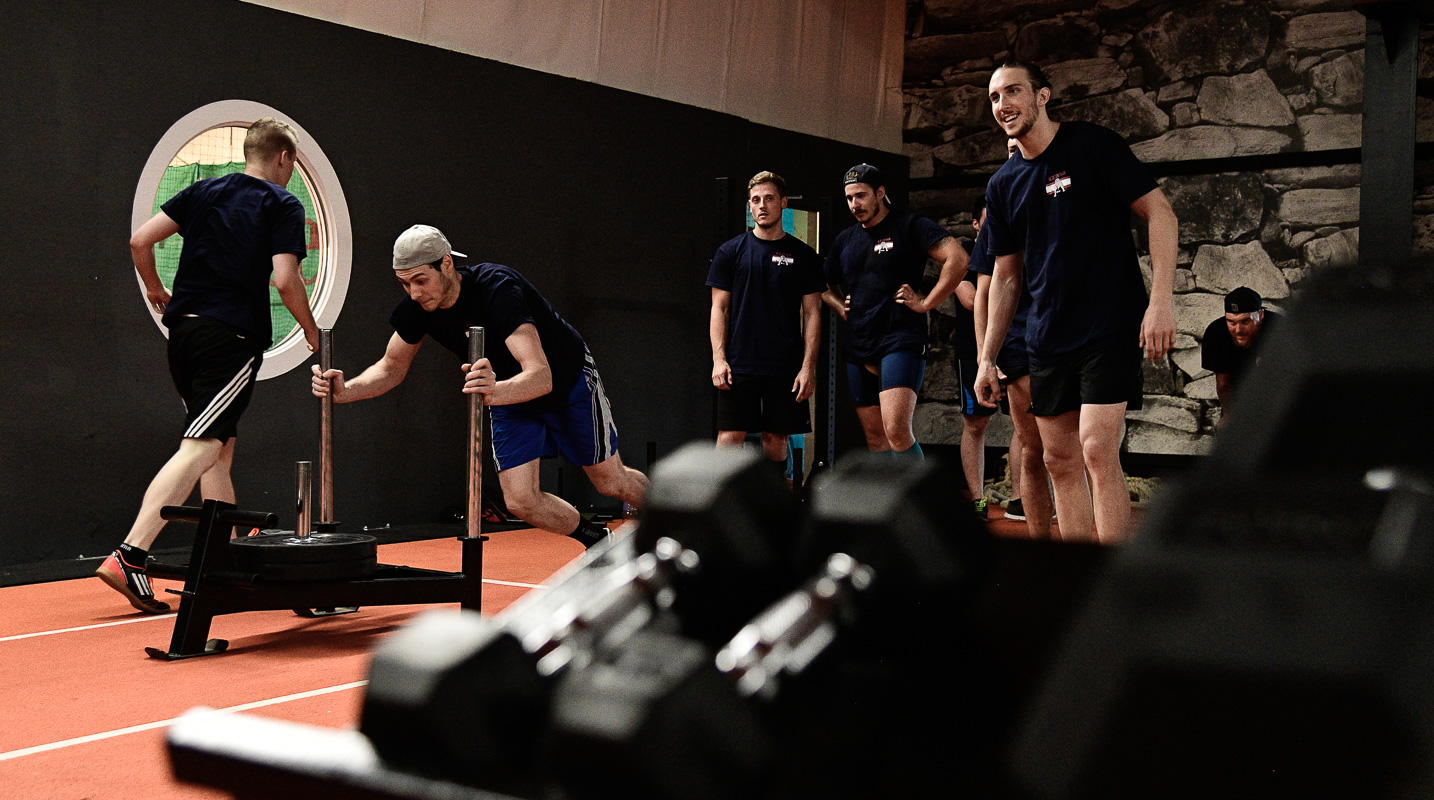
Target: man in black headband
[1228, 346]
[870, 273]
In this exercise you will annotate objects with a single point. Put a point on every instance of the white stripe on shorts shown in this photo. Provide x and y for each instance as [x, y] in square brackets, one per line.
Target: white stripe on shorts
[221, 401]
[602, 413]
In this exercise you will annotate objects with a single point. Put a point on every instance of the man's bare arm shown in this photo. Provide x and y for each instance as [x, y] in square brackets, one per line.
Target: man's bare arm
[953, 260]
[141, 250]
[806, 383]
[534, 378]
[381, 376]
[717, 332]
[980, 309]
[1157, 329]
[290, 283]
[1005, 294]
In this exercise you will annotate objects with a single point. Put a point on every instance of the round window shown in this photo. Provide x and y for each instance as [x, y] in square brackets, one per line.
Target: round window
[208, 143]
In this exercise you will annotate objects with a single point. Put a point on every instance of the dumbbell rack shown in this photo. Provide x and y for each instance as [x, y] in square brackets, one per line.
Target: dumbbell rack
[213, 585]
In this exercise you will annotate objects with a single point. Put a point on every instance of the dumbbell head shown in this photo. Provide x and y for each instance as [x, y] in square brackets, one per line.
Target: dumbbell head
[741, 525]
[903, 518]
[456, 696]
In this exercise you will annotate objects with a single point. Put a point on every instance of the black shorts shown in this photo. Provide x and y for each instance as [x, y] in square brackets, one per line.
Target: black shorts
[761, 403]
[1096, 376]
[1014, 364]
[966, 375]
[214, 367]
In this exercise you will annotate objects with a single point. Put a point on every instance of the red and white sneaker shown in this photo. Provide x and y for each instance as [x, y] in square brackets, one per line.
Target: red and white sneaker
[132, 582]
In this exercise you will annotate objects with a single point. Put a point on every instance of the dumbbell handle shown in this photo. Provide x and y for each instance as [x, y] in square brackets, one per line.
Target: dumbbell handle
[792, 632]
[626, 596]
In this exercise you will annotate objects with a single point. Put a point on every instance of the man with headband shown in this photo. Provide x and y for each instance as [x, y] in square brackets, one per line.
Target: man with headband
[1228, 346]
[870, 274]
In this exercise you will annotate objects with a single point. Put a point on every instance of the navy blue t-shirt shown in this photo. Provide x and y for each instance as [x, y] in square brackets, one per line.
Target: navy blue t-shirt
[1069, 210]
[984, 263]
[768, 280]
[870, 264]
[963, 342]
[499, 299]
[233, 226]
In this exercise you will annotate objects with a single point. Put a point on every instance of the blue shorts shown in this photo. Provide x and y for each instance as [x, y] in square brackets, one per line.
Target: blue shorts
[582, 432]
[966, 375]
[904, 368]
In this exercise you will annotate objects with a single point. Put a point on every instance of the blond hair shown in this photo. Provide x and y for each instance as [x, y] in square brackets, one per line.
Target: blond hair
[267, 138]
[768, 177]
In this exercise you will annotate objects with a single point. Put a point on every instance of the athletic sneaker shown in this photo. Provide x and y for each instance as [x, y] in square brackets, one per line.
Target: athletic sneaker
[1015, 511]
[980, 507]
[132, 582]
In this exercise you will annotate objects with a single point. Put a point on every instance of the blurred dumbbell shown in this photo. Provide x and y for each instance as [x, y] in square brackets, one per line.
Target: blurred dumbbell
[742, 524]
[901, 519]
[467, 698]
[796, 703]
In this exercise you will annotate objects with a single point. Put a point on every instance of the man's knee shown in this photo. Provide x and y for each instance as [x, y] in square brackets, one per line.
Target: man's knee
[900, 437]
[1033, 457]
[897, 427]
[975, 424]
[522, 505]
[731, 438]
[1100, 452]
[1060, 464]
[609, 483]
[614, 479]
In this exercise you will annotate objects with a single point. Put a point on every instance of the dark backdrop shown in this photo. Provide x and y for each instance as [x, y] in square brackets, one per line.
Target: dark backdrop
[603, 198]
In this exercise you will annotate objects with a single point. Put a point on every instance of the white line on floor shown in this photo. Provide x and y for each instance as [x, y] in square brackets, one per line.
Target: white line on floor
[86, 627]
[95, 737]
[511, 583]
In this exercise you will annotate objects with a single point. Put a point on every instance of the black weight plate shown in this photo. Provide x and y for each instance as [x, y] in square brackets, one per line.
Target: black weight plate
[279, 547]
[314, 573]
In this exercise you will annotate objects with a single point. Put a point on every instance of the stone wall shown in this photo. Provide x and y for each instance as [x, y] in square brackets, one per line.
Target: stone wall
[1180, 81]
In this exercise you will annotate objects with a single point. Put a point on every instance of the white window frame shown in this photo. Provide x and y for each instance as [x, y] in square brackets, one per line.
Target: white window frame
[327, 299]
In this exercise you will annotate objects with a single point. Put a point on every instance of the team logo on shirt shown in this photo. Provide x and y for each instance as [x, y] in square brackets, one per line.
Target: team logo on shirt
[882, 246]
[783, 259]
[1058, 183]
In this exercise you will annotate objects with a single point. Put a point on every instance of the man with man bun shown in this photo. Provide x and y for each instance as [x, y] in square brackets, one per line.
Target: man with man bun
[1059, 217]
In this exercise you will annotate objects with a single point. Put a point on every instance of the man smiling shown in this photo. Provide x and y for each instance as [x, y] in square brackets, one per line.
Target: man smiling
[1059, 224]
[538, 379]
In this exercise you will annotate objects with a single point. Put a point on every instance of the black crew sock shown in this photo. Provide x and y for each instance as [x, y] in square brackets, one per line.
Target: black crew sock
[586, 525]
[133, 556]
